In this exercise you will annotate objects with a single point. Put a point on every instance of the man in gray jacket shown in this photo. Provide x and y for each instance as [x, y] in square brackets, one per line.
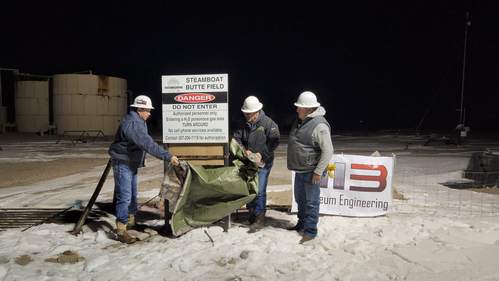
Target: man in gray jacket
[259, 135]
[128, 153]
[309, 150]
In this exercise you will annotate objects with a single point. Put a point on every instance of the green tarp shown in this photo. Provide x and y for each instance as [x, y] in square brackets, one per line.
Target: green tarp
[203, 196]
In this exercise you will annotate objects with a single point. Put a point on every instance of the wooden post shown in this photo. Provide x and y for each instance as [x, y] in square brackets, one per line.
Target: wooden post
[84, 216]
[167, 227]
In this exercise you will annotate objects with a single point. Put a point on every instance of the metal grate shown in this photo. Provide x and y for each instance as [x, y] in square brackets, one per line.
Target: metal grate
[27, 217]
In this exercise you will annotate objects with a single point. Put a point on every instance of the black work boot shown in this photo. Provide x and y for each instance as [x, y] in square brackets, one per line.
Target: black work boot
[259, 222]
[297, 227]
[251, 218]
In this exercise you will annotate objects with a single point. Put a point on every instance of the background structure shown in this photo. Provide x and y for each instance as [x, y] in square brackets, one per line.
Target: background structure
[373, 64]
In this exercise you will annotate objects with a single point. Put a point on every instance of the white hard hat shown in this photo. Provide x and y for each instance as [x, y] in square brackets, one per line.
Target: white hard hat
[307, 99]
[251, 104]
[142, 102]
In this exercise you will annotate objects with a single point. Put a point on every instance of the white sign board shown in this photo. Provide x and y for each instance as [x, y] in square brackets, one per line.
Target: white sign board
[362, 187]
[195, 108]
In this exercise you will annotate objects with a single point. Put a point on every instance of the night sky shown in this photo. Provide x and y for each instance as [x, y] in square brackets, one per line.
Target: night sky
[374, 65]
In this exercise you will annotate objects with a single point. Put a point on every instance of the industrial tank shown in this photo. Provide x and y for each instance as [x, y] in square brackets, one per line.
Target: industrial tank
[84, 102]
[32, 105]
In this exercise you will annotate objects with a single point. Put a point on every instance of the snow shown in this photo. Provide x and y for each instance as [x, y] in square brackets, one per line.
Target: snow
[418, 240]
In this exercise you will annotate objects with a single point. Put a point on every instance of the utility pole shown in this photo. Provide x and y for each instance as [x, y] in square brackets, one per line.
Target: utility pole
[461, 111]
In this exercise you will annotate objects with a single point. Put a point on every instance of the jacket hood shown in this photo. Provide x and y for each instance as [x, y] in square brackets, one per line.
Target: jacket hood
[261, 114]
[319, 112]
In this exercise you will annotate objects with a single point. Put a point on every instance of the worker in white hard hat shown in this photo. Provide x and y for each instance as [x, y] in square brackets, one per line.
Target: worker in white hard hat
[309, 150]
[128, 153]
[259, 135]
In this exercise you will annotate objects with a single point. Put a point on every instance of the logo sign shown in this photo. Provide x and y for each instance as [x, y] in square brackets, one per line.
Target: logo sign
[375, 174]
[195, 108]
[142, 102]
[362, 186]
[194, 98]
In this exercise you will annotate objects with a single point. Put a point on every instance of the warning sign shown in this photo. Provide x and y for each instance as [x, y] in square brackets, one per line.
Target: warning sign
[195, 108]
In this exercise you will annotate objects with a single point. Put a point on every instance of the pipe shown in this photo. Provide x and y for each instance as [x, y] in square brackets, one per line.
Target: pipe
[16, 71]
[34, 75]
[85, 71]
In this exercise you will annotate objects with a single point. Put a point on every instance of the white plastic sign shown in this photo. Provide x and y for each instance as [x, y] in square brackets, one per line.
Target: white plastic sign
[362, 187]
[195, 108]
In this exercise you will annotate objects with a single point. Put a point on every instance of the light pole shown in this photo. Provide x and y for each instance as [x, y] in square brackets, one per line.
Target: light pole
[461, 114]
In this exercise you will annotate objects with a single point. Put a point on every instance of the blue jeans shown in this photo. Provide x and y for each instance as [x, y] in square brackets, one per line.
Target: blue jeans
[125, 191]
[260, 201]
[307, 197]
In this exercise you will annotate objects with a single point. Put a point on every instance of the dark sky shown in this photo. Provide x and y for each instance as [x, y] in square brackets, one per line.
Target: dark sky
[372, 64]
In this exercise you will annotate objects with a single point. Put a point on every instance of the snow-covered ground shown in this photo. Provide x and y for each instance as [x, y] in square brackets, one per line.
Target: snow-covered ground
[433, 235]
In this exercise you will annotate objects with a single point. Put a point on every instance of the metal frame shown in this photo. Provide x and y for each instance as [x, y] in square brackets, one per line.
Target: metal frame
[86, 132]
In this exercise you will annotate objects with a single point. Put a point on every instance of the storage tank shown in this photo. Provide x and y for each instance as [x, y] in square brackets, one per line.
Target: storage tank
[84, 102]
[32, 105]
